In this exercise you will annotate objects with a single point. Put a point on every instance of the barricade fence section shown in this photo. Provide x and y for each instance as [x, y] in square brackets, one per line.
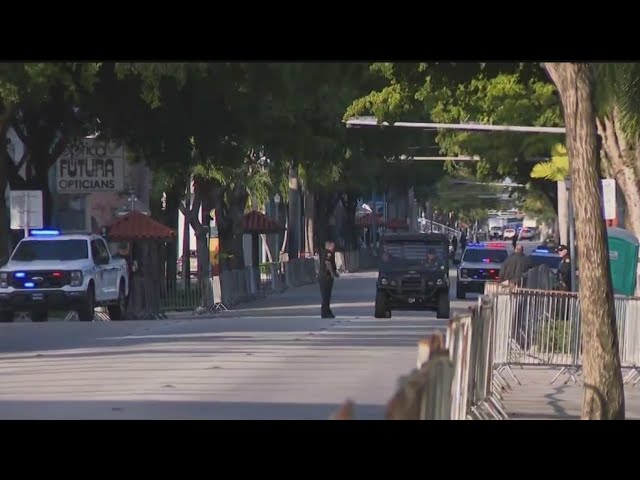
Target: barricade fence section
[232, 287]
[538, 278]
[538, 327]
[455, 377]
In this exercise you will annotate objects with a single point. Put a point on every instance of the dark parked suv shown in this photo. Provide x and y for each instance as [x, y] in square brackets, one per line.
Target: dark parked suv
[413, 274]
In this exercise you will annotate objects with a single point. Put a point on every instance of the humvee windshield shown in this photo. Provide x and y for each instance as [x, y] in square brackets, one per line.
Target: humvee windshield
[414, 253]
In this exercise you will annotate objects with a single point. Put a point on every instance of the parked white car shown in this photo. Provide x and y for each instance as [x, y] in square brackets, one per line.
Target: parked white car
[508, 234]
[49, 271]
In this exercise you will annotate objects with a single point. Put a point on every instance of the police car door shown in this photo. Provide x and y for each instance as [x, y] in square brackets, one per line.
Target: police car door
[110, 278]
[99, 273]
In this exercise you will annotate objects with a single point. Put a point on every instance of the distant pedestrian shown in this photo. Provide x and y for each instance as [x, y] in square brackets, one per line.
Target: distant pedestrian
[328, 273]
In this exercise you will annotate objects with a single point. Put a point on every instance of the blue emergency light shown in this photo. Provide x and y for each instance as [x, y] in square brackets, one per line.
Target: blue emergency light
[20, 275]
[29, 285]
[539, 253]
[45, 233]
[485, 245]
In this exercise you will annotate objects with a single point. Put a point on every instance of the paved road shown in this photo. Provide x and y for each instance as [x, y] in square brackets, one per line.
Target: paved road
[272, 359]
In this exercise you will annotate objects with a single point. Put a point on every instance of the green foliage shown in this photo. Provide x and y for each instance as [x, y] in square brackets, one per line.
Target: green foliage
[35, 83]
[151, 76]
[556, 169]
[617, 87]
[471, 93]
[467, 200]
[555, 336]
[537, 205]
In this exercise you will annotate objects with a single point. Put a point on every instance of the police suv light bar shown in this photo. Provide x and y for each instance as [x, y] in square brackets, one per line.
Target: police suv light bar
[44, 233]
[486, 245]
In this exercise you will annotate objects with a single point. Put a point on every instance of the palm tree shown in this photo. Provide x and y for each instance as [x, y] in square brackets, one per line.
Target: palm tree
[617, 100]
[557, 169]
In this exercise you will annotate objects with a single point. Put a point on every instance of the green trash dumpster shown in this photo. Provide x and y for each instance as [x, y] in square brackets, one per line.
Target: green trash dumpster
[623, 255]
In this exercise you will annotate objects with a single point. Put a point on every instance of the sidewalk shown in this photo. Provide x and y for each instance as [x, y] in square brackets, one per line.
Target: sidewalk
[537, 399]
[352, 291]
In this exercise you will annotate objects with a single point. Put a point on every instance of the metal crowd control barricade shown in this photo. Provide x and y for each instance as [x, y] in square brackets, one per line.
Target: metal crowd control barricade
[436, 396]
[630, 341]
[475, 392]
[538, 327]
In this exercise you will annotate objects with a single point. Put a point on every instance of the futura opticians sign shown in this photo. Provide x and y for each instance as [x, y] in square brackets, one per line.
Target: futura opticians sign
[90, 166]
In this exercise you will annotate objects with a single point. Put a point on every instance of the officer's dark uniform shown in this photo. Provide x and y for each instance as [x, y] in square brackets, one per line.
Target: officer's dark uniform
[327, 267]
[564, 271]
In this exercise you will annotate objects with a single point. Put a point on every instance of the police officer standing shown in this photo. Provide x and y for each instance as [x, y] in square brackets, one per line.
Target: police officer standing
[328, 273]
[564, 270]
[463, 240]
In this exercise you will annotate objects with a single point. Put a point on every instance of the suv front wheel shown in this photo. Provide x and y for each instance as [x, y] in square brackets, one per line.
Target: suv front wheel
[444, 305]
[381, 310]
[87, 311]
[118, 311]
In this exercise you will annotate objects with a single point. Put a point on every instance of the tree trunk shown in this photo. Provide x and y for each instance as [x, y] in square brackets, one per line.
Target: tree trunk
[238, 197]
[293, 224]
[38, 168]
[604, 391]
[350, 203]
[174, 197]
[5, 232]
[322, 219]
[186, 235]
[186, 253]
[309, 221]
[141, 182]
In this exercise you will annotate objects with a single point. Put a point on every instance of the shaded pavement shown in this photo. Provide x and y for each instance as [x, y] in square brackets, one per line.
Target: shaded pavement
[537, 399]
[270, 359]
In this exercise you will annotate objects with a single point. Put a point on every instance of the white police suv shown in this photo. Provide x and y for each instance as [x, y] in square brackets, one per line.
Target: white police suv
[50, 271]
[481, 262]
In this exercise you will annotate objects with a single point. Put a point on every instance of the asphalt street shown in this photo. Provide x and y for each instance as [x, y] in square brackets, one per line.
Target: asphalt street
[270, 359]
